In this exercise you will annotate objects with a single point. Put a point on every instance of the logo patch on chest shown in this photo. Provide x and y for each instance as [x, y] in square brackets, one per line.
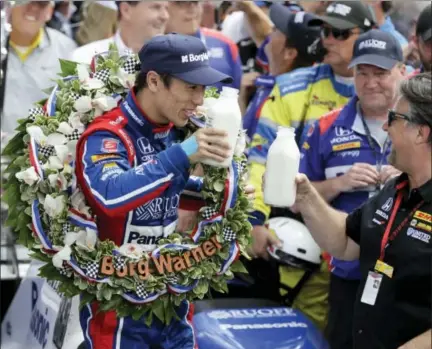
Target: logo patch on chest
[110, 145]
[414, 233]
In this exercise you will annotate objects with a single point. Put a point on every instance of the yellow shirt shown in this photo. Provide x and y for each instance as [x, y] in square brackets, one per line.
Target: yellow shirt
[303, 94]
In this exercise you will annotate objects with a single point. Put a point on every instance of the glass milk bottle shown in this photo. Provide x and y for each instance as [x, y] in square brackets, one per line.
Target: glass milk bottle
[282, 166]
[224, 114]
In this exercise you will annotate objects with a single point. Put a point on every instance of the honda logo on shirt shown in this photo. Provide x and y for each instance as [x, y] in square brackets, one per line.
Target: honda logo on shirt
[387, 205]
[343, 132]
[144, 146]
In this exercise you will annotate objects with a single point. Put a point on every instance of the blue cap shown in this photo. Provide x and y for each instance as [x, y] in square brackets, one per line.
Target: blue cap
[182, 56]
[377, 48]
[260, 3]
[295, 26]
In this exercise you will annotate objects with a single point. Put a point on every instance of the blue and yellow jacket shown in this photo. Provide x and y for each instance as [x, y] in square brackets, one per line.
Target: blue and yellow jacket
[303, 94]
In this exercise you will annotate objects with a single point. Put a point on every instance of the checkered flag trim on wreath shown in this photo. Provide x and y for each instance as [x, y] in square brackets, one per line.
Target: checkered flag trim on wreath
[228, 234]
[131, 65]
[102, 75]
[33, 112]
[47, 151]
[74, 136]
[67, 227]
[172, 279]
[141, 291]
[75, 96]
[119, 262]
[65, 271]
[92, 269]
[209, 212]
[241, 166]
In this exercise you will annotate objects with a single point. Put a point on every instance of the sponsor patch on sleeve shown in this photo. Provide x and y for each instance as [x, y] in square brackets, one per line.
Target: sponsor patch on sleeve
[102, 157]
[110, 145]
[345, 146]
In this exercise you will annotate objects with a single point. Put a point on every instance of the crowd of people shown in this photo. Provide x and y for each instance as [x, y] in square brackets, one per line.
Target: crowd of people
[356, 89]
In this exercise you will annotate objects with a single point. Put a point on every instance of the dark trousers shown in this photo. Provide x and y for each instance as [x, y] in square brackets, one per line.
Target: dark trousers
[342, 296]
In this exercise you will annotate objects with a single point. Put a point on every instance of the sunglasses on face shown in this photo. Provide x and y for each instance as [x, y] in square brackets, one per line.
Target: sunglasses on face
[338, 34]
[392, 116]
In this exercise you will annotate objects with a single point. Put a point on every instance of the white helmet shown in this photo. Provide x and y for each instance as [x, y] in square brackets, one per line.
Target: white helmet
[299, 249]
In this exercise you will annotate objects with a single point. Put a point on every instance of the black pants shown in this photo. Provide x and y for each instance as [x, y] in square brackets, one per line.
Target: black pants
[342, 298]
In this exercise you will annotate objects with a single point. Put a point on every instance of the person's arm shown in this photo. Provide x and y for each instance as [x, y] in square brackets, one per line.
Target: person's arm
[259, 22]
[423, 341]
[117, 188]
[330, 228]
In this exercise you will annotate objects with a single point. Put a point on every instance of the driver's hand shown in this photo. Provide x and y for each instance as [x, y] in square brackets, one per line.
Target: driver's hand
[262, 238]
[186, 220]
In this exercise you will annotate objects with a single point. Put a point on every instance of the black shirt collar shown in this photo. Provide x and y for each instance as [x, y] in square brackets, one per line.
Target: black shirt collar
[425, 190]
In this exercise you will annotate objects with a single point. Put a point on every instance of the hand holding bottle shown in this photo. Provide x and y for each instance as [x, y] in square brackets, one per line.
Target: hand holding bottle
[207, 143]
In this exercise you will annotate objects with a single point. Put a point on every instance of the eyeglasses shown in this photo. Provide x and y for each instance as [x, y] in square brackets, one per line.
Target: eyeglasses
[392, 116]
[338, 34]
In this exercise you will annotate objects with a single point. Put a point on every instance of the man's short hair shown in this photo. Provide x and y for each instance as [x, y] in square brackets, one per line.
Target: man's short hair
[386, 6]
[417, 91]
[118, 3]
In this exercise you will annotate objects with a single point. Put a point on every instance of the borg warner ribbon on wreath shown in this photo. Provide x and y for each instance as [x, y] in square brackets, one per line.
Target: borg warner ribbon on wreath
[61, 231]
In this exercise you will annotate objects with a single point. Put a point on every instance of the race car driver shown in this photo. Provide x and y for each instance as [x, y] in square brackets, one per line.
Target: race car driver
[132, 174]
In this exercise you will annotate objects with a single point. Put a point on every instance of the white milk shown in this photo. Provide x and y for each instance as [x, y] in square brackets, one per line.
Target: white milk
[224, 114]
[282, 166]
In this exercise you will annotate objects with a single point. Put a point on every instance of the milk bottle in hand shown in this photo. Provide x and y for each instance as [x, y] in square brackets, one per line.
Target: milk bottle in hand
[282, 166]
[224, 114]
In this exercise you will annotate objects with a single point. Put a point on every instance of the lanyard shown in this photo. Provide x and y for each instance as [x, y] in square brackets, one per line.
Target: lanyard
[390, 237]
[378, 156]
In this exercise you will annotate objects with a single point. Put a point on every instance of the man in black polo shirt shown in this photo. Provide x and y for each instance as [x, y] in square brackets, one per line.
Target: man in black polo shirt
[391, 233]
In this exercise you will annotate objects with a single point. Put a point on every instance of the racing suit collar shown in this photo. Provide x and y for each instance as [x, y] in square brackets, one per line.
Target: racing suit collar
[348, 114]
[265, 81]
[135, 114]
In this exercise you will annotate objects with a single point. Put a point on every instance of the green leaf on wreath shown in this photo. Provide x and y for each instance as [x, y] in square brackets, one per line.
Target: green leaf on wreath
[68, 68]
[86, 298]
[158, 308]
[238, 267]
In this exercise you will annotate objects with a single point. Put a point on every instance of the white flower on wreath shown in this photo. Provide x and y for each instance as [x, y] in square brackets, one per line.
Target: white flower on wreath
[133, 251]
[101, 104]
[61, 256]
[75, 122]
[241, 144]
[84, 239]
[52, 139]
[78, 202]
[29, 176]
[54, 206]
[86, 81]
[65, 128]
[58, 181]
[125, 79]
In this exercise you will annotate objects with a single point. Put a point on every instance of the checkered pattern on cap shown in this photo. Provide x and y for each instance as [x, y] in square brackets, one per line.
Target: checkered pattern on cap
[92, 269]
[74, 136]
[33, 112]
[119, 262]
[228, 234]
[141, 291]
[102, 75]
[131, 66]
[47, 151]
[209, 212]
